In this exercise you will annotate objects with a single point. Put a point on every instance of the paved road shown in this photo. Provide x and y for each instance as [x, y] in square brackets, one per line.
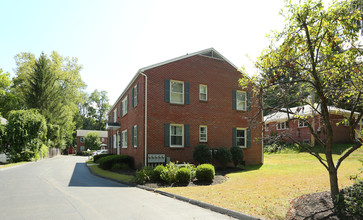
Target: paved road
[63, 188]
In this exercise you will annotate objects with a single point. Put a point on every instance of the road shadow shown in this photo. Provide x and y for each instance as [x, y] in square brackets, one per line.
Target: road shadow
[82, 177]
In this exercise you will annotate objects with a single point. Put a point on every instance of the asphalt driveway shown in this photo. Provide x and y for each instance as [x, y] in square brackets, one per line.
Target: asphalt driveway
[63, 188]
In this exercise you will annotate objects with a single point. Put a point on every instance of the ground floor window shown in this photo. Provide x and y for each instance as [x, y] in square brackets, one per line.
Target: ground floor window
[176, 135]
[124, 139]
[203, 133]
[241, 137]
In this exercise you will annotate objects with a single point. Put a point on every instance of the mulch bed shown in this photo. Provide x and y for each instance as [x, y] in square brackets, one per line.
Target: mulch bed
[312, 206]
[219, 178]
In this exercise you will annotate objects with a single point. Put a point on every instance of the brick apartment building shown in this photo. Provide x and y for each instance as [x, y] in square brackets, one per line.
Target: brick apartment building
[81, 134]
[171, 107]
[279, 123]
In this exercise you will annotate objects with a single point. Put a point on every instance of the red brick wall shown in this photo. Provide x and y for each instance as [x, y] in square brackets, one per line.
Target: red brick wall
[340, 133]
[221, 78]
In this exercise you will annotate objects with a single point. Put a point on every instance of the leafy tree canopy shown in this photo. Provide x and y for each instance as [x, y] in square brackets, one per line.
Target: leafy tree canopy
[92, 141]
[318, 52]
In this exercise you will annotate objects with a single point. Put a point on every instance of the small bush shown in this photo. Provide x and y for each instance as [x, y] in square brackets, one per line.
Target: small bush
[223, 156]
[183, 175]
[156, 173]
[99, 156]
[107, 162]
[116, 167]
[237, 155]
[205, 172]
[168, 173]
[350, 201]
[202, 154]
[144, 175]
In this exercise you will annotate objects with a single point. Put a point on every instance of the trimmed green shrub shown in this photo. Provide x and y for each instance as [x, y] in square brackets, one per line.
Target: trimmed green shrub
[168, 173]
[156, 173]
[205, 172]
[144, 175]
[107, 162]
[237, 155]
[202, 154]
[350, 201]
[99, 156]
[223, 156]
[183, 175]
[116, 167]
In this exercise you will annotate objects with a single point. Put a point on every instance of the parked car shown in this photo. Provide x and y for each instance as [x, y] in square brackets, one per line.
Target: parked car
[99, 152]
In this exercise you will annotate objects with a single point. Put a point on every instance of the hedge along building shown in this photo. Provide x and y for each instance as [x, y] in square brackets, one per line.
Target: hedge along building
[171, 107]
[290, 128]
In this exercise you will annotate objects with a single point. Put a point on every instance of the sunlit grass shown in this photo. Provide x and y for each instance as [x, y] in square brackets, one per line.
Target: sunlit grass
[267, 190]
[12, 164]
[113, 175]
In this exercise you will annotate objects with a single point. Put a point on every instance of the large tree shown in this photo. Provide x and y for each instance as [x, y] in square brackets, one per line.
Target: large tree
[54, 86]
[318, 51]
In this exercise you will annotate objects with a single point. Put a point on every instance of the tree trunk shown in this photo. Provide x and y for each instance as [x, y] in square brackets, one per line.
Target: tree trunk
[333, 178]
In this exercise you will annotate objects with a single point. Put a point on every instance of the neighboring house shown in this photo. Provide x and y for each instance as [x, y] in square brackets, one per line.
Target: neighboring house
[81, 134]
[279, 124]
[3, 157]
[171, 107]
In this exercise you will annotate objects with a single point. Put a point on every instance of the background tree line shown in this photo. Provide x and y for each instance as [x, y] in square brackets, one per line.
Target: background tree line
[49, 87]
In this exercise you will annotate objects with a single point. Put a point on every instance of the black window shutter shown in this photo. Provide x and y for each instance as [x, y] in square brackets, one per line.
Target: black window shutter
[127, 103]
[137, 94]
[186, 136]
[132, 98]
[167, 90]
[234, 95]
[167, 135]
[234, 137]
[248, 101]
[132, 136]
[248, 137]
[187, 93]
[121, 109]
[137, 135]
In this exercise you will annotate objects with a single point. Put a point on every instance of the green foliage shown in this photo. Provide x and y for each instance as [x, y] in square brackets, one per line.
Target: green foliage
[183, 175]
[99, 156]
[237, 155]
[25, 133]
[156, 173]
[202, 154]
[205, 173]
[223, 156]
[144, 175]
[169, 172]
[92, 141]
[106, 163]
[350, 201]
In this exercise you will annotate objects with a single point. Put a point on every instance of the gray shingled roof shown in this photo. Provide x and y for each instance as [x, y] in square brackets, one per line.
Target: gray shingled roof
[83, 133]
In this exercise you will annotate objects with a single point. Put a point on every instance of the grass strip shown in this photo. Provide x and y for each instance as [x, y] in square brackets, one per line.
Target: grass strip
[113, 175]
[12, 165]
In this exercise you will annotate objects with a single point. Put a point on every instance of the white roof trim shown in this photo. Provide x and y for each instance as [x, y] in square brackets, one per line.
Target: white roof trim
[166, 62]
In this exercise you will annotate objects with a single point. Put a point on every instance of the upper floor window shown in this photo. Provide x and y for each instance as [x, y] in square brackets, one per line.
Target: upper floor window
[303, 124]
[282, 125]
[135, 94]
[176, 92]
[203, 133]
[241, 100]
[203, 91]
[81, 139]
[125, 105]
[115, 115]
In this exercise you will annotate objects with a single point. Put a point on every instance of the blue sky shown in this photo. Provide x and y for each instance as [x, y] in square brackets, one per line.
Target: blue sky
[113, 39]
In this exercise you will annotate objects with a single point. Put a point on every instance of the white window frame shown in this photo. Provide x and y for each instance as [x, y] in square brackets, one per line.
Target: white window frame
[200, 133]
[125, 140]
[266, 127]
[245, 137]
[81, 139]
[82, 148]
[115, 115]
[114, 141]
[170, 134]
[124, 105]
[135, 137]
[171, 97]
[135, 96]
[282, 125]
[201, 94]
[302, 124]
[243, 101]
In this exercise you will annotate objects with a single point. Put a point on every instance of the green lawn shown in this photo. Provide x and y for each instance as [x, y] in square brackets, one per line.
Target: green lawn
[265, 191]
[11, 164]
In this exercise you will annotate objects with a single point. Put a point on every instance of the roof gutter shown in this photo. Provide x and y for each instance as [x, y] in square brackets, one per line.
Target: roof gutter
[145, 126]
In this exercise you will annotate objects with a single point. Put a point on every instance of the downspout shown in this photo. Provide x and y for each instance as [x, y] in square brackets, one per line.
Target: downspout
[145, 126]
